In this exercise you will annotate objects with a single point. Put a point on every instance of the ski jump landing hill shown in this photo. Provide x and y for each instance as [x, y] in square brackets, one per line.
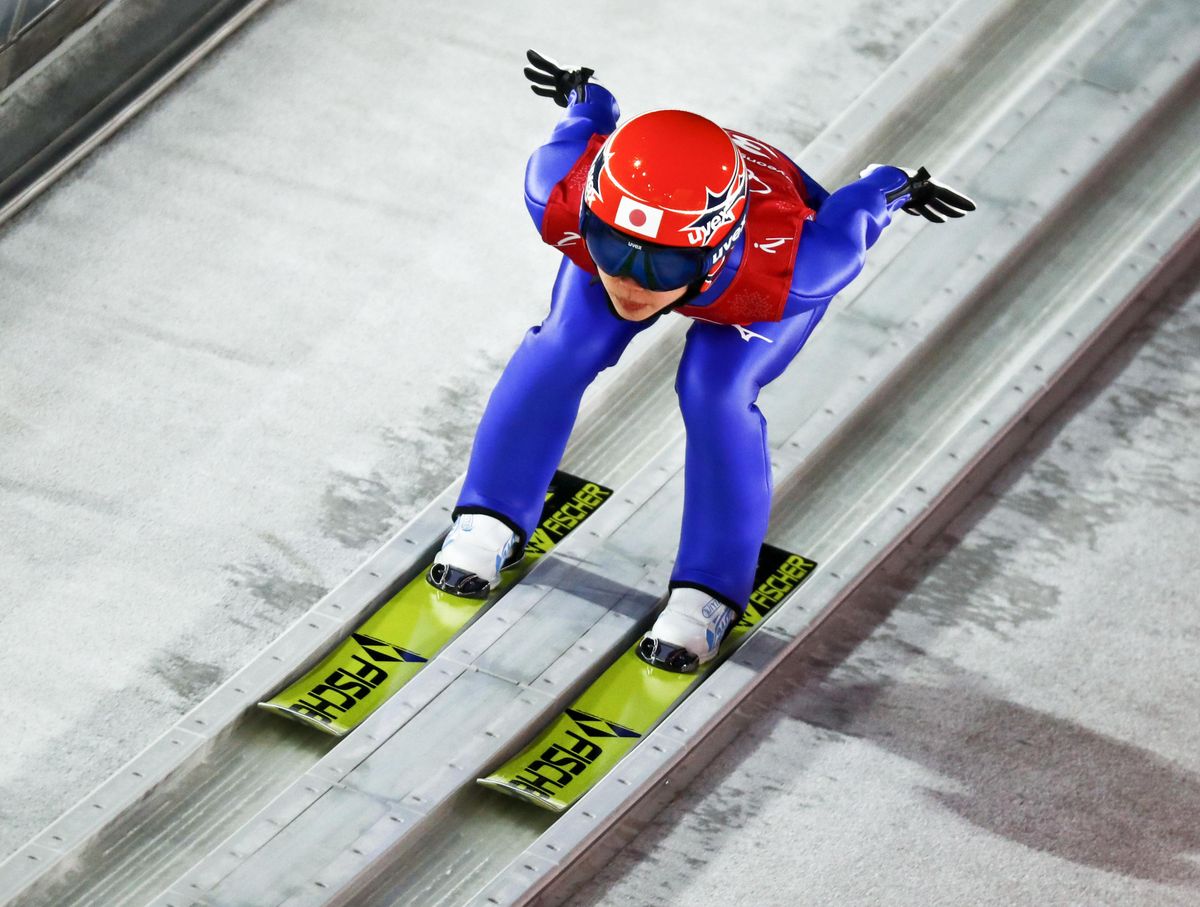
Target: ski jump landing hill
[1073, 125]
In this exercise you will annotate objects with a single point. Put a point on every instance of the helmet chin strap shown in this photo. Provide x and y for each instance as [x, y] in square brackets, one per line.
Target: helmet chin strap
[692, 292]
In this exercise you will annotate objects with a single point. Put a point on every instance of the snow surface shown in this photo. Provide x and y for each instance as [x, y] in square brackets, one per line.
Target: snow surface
[1013, 720]
[244, 342]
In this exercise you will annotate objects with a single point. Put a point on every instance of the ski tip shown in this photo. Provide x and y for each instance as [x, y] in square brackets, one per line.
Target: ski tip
[505, 787]
[332, 730]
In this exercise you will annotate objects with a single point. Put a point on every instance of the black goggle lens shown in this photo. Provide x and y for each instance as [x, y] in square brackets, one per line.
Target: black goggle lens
[653, 267]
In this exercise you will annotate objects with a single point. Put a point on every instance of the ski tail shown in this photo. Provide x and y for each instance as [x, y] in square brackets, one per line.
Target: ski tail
[586, 741]
[400, 638]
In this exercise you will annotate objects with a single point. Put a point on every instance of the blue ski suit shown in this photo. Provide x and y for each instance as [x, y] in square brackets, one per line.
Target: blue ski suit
[727, 485]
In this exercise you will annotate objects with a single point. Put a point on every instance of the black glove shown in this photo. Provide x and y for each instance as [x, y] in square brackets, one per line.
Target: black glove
[929, 199]
[552, 81]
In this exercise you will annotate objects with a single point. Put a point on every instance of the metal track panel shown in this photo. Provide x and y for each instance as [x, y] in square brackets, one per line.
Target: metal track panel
[490, 685]
[160, 813]
[222, 731]
[608, 817]
[106, 72]
[426, 762]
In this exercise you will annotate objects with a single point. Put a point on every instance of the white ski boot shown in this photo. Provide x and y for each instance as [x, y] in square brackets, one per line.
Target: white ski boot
[474, 553]
[688, 631]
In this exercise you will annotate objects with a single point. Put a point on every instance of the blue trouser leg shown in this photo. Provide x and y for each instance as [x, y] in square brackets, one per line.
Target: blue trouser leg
[727, 497]
[532, 409]
[727, 490]
[727, 485]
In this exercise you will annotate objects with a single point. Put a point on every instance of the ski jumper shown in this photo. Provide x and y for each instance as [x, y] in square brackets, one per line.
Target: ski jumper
[741, 339]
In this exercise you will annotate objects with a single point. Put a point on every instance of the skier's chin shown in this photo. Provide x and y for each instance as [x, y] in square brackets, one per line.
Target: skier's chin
[634, 302]
[632, 311]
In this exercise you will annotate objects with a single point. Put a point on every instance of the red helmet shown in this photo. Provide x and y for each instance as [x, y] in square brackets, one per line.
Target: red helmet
[671, 178]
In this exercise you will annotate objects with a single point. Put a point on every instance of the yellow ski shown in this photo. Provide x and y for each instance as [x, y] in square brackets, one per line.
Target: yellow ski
[625, 702]
[395, 642]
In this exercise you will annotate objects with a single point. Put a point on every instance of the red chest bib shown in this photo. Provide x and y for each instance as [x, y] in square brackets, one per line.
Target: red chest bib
[775, 216]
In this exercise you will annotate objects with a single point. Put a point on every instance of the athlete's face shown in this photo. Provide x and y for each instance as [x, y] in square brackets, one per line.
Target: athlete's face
[633, 301]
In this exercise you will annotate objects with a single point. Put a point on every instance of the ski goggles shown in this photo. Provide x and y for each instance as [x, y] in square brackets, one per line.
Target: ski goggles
[651, 266]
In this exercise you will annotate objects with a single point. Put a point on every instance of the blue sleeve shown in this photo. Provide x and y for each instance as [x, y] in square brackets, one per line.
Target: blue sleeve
[834, 244]
[598, 113]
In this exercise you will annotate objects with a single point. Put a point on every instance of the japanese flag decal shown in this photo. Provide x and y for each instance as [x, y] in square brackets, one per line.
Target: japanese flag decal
[638, 218]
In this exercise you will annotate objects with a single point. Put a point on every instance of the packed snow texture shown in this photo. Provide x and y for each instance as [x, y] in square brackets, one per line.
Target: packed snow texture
[1012, 721]
[249, 338]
